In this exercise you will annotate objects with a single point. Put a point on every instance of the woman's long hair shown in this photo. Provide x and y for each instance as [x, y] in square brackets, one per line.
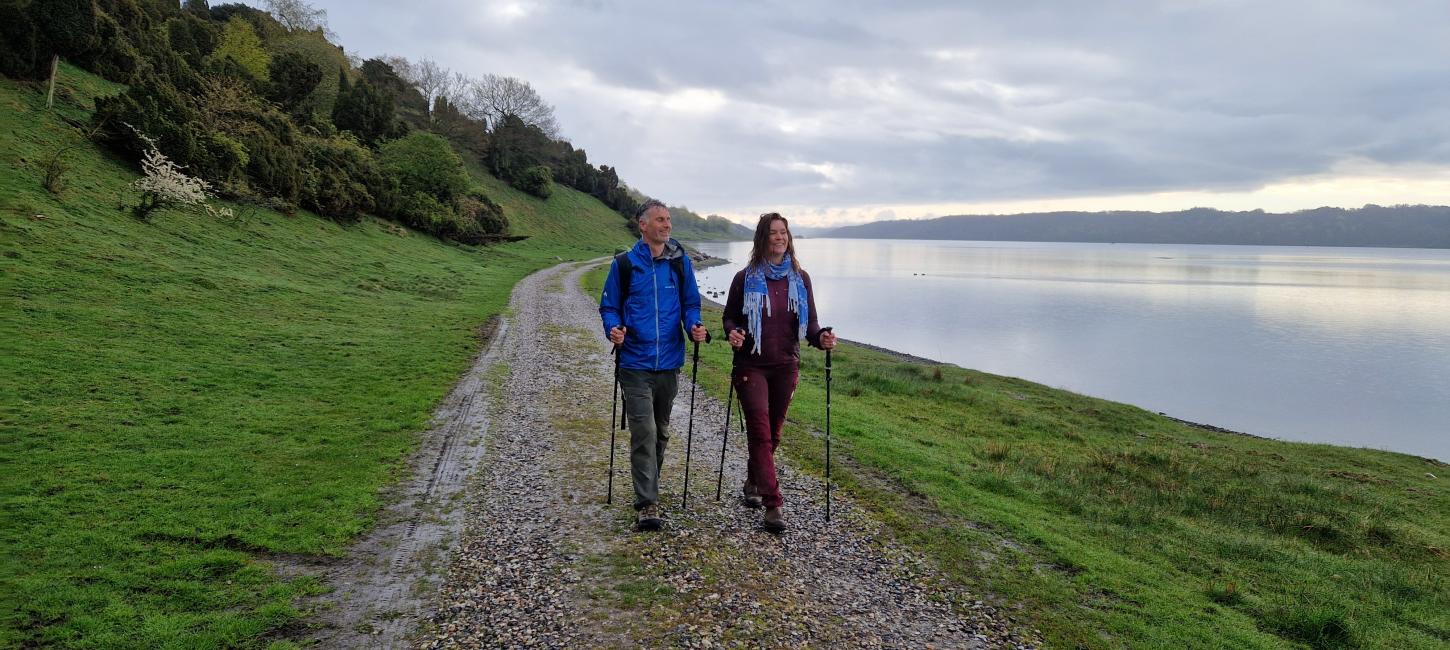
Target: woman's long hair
[762, 241]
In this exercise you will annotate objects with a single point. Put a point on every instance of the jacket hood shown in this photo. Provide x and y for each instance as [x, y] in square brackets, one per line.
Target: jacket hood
[673, 249]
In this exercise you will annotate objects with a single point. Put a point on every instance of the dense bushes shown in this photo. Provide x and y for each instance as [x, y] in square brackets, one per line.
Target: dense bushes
[439, 197]
[277, 165]
[267, 115]
[343, 181]
[155, 108]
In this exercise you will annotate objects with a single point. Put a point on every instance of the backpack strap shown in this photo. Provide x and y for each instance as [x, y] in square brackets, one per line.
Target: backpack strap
[678, 266]
[623, 269]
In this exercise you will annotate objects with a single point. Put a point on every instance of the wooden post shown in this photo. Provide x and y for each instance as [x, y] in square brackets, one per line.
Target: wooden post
[54, 67]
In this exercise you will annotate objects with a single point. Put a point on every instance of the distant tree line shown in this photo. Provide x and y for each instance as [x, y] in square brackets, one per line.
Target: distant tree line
[689, 225]
[262, 106]
[1398, 226]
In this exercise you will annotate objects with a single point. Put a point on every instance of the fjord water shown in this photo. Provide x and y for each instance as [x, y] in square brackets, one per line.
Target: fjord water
[1348, 346]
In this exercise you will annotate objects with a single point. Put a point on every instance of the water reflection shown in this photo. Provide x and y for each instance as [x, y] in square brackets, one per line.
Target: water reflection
[1349, 346]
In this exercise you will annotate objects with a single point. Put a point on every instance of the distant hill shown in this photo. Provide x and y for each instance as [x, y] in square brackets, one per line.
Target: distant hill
[1400, 226]
[689, 226]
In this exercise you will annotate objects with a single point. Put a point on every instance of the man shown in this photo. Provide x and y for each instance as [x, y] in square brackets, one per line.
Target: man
[646, 322]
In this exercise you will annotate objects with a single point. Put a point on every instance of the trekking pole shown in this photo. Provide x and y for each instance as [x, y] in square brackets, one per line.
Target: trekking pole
[725, 434]
[613, 410]
[828, 431]
[690, 430]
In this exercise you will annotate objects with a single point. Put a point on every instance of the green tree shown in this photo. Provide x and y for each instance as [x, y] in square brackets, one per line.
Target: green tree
[192, 37]
[296, 15]
[19, 55]
[240, 43]
[462, 130]
[316, 107]
[67, 27]
[364, 111]
[293, 78]
[478, 218]
[408, 103]
[516, 146]
[423, 162]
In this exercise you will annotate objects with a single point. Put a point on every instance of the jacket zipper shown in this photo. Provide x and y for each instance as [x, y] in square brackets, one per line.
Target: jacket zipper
[655, 278]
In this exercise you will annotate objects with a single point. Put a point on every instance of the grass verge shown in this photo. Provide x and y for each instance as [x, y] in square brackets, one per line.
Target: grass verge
[186, 403]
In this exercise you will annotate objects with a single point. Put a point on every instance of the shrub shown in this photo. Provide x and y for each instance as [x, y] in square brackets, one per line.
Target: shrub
[163, 184]
[55, 171]
[343, 180]
[117, 56]
[424, 162]
[420, 210]
[478, 217]
[154, 107]
[276, 168]
[536, 180]
[169, 117]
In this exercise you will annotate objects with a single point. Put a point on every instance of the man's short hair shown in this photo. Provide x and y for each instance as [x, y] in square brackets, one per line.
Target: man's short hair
[645, 208]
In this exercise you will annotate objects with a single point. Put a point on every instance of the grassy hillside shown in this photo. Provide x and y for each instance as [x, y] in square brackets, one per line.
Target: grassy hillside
[185, 402]
[1114, 527]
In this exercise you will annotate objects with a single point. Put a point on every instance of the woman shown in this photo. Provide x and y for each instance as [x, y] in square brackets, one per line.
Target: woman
[770, 308]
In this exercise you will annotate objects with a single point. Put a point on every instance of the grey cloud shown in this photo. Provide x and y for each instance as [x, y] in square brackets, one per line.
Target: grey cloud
[936, 101]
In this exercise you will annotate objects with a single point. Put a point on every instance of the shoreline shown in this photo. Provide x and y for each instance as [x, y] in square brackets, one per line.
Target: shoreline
[911, 358]
[707, 261]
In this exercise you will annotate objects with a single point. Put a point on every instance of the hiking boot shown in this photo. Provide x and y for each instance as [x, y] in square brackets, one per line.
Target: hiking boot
[773, 521]
[750, 496]
[649, 518]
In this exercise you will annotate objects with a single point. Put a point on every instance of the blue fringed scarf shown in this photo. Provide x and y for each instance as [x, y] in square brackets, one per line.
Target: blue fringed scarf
[757, 302]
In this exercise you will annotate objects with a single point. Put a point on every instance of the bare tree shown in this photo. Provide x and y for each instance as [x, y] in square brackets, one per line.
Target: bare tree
[455, 88]
[431, 80]
[400, 65]
[297, 15]
[495, 96]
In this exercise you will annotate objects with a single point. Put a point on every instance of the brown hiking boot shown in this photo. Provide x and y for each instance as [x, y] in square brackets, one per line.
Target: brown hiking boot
[750, 496]
[649, 518]
[773, 521]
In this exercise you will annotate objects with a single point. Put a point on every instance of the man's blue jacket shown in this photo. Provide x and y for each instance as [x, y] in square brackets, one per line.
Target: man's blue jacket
[652, 314]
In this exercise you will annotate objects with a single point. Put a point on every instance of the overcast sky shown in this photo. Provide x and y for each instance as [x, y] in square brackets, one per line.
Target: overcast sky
[841, 112]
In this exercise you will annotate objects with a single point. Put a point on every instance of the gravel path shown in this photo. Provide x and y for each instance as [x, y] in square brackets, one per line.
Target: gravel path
[544, 563]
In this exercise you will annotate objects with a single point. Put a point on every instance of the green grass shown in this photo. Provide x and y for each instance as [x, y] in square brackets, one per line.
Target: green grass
[1114, 527]
[186, 404]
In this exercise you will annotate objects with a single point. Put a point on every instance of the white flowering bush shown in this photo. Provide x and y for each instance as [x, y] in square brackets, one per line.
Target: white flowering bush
[163, 184]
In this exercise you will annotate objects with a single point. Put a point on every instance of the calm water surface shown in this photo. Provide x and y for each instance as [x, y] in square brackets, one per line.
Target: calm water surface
[1348, 346]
